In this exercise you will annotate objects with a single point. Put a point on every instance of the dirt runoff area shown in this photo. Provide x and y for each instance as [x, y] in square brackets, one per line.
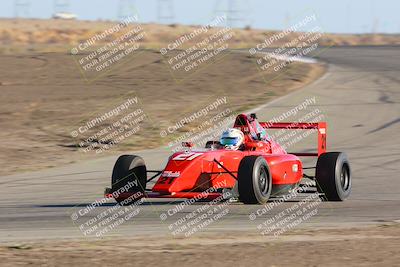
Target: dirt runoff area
[361, 246]
[53, 111]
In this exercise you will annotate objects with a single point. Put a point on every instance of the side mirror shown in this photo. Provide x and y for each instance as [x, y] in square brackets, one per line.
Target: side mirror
[188, 144]
[253, 116]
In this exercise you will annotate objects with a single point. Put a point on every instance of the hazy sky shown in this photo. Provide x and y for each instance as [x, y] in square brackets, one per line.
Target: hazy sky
[345, 16]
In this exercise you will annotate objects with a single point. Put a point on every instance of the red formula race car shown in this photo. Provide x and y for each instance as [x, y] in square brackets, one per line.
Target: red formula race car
[258, 169]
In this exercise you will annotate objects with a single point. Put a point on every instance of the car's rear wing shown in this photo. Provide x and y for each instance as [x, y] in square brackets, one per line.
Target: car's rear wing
[319, 126]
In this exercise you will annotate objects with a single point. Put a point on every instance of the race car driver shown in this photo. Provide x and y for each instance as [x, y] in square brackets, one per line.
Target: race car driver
[232, 139]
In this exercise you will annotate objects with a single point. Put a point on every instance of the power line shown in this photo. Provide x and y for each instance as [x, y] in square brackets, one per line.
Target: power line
[232, 10]
[21, 8]
[61, 6]
[165, 11]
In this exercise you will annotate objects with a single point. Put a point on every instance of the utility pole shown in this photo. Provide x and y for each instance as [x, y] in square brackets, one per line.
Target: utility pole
[232, 10]
[21, 8]
[375, 26]
[347, 20]
[375, 22]
[126, 8]
[287, 20]
[165, 11]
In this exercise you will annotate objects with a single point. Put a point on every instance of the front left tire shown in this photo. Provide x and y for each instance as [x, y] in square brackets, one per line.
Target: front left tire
[254, 180]
[130, 172]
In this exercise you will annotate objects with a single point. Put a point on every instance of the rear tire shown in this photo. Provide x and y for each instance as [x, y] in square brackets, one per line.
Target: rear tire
[130, 172]
[254, 180]
[333, 176]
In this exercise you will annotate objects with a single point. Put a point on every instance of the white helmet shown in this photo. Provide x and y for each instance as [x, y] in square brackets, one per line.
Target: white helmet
[232, 138]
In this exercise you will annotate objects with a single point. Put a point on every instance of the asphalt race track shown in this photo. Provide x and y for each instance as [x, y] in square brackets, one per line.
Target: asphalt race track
[359, 98]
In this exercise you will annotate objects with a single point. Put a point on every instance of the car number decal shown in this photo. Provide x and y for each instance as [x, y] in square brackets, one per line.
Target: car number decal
[187, 156]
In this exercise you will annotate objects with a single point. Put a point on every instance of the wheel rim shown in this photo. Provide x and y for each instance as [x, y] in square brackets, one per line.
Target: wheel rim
[263, 180]
[345, 177]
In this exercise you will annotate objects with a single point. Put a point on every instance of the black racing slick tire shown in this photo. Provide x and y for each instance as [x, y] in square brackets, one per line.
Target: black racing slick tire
[333, 176]
[129, 175]
[254, 180]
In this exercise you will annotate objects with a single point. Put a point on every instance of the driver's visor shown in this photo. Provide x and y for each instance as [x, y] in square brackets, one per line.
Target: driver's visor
[229, 141]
